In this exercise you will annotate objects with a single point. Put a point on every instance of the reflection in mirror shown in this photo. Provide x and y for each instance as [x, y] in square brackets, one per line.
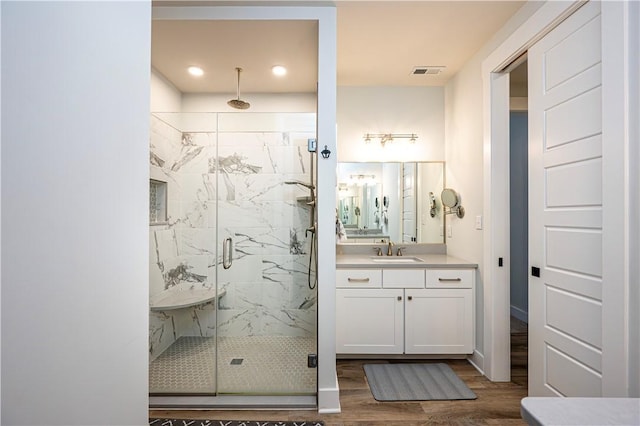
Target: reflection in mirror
[381, 202]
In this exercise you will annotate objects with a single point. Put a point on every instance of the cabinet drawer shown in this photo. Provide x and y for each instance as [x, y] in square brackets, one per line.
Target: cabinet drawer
[403, 278]
[450, 278]
[358, 278]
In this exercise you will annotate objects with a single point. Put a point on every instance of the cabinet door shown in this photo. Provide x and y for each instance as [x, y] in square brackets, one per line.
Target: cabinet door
[439, 321]
[369, 321]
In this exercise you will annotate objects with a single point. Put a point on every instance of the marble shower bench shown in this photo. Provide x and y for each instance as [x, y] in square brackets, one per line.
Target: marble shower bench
[183, 296]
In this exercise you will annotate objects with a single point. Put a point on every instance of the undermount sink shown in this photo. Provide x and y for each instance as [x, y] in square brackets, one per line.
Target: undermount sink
[396, 259]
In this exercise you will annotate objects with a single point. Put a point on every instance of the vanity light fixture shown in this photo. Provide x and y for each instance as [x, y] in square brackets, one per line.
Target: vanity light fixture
[353, 177]
[389, 137]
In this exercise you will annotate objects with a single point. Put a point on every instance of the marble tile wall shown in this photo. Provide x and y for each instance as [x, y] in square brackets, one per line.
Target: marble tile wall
[242, 174]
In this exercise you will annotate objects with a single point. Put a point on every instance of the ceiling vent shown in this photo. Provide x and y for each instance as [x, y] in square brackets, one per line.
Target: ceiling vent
[428, 70]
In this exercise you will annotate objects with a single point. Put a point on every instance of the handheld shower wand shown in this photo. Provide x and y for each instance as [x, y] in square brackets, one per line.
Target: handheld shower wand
[312, 226]
[312, 203]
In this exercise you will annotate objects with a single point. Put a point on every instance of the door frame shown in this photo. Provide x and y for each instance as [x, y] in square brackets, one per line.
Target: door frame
[328, 396]
[496, 357]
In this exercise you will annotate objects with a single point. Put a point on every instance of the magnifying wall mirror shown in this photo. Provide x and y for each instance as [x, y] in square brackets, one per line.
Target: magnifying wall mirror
[451, 202]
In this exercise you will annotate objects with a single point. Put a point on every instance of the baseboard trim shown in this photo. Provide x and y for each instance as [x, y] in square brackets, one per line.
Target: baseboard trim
[329, 399]
[477, 360]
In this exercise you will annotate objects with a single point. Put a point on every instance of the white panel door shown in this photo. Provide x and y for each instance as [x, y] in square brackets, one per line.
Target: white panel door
[565, 208]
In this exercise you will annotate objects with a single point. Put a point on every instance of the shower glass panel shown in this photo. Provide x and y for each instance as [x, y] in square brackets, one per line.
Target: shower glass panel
[267, 319]
[232, 311]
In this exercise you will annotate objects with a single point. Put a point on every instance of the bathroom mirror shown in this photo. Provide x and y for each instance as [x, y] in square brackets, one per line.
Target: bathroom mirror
[378, 202]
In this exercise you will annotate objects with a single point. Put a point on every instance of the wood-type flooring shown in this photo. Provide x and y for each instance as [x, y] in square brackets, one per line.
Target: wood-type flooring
[497, 403]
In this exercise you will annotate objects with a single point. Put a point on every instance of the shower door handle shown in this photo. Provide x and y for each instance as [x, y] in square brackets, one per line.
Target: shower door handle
[227, 253]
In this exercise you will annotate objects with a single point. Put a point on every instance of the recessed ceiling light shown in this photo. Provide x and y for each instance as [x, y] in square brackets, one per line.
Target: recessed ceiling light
[195, 71]
[279, 70]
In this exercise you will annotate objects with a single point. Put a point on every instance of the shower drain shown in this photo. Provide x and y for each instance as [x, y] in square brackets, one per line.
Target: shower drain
[237, 361]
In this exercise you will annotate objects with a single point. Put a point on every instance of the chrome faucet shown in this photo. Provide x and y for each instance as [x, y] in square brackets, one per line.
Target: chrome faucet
[389, 249]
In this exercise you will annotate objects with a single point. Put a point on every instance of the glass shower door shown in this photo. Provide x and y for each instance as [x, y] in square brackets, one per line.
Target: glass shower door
[266, 320]
[233, 303]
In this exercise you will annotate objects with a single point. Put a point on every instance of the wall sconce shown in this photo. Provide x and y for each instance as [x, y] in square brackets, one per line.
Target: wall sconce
[389, 137]
[325, 152]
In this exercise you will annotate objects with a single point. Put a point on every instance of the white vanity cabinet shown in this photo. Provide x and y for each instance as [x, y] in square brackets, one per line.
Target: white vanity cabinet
[404, 311]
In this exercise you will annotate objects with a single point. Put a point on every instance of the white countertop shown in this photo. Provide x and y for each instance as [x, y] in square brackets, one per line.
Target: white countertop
[538, 411]
[428, 261]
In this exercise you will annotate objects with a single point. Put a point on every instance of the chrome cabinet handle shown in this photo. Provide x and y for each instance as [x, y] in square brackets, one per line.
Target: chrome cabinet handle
[227, 253]
[358, 280]
[449, 280]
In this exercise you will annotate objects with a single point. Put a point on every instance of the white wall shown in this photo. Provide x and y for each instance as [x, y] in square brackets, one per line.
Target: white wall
[417, 110]
[165, 97]
[74, 212]
[464, 158]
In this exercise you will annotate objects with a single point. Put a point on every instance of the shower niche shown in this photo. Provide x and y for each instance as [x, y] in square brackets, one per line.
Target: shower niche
[228, 204]
[157, 202]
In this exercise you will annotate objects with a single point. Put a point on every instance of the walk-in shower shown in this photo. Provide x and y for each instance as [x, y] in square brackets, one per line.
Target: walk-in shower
[233, 301]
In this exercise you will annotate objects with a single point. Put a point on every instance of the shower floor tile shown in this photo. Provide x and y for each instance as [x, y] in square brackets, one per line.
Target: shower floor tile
[270, 365]
[188, 365]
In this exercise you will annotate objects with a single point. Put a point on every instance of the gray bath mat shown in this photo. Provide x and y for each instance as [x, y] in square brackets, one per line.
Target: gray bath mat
[415, 382]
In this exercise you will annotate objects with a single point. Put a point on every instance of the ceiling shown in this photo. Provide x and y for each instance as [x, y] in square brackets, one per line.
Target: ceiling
[379, 44]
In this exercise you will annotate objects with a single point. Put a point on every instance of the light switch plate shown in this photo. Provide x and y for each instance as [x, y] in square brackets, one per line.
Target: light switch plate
[479, 222]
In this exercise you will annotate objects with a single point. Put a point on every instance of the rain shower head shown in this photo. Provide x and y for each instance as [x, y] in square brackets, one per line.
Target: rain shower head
[238, 103]
[297, 182]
